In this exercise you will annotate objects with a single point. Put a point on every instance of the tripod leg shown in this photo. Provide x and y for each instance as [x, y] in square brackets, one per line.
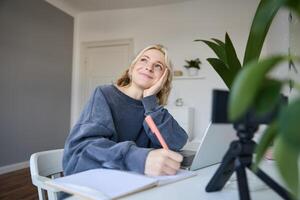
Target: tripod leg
[224, 171]
[219, 179]
[272, 184]
[242, 180]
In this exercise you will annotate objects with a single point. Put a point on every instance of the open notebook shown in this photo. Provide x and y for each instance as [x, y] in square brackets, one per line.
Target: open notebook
[110, 184]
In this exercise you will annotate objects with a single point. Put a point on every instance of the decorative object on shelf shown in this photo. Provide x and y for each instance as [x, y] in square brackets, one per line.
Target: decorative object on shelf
[179, 102]
[193, 66]
[178, 73]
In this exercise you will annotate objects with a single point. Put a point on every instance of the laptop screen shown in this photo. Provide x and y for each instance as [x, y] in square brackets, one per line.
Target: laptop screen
[214, 144]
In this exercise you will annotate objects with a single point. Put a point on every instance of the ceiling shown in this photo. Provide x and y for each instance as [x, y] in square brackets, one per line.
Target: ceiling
[79, 6]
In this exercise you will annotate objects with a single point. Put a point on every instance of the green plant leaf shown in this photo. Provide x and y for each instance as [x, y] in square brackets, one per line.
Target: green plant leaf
[294, 5]
[287, 161]
[264, 15]
[222, 70]
[247, 84]
[289, 123]
[231, 57]
[265, 141]
[193, 63]
[218, 49]
[219, 42]
[268, 96]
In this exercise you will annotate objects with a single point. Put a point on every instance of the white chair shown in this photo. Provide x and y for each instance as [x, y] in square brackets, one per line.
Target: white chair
[45, 166]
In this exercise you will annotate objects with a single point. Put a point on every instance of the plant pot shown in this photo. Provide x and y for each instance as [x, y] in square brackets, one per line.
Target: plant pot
[193, 71]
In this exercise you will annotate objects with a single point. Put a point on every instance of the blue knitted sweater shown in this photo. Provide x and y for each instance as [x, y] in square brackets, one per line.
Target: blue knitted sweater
[111, 132]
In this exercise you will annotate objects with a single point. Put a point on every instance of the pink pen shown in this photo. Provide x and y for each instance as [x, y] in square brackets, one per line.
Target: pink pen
[155, 130]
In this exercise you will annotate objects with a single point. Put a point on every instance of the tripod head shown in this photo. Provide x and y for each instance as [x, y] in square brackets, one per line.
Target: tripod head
[248, 124]
[245, 131]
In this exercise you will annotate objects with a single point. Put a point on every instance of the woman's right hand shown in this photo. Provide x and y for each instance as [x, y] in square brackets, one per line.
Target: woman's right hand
[154, 89]
[162, 162]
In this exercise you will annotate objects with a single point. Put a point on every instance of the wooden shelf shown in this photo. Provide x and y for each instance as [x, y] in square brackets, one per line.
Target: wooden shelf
[188, 77]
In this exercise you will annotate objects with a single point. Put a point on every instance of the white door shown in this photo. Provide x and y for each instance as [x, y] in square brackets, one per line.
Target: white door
[103, 63]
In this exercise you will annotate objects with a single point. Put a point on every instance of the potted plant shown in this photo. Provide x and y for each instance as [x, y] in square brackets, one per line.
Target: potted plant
[193, 66]
[250, 86]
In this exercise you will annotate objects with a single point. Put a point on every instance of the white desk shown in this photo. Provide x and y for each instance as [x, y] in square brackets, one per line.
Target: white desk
[194, 187]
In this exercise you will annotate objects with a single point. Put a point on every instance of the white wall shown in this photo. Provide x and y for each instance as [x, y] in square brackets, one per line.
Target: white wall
[277, 42]
[175, 26]
[35, 80]
[295, 50]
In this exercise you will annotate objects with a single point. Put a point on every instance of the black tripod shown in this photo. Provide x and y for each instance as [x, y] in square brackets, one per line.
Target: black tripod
[239, 157]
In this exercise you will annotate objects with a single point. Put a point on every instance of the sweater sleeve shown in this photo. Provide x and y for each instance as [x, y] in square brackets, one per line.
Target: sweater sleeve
[174, 135]
[93, 142]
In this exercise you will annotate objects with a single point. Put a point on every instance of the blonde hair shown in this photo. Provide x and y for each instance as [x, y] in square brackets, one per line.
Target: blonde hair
[164, 93]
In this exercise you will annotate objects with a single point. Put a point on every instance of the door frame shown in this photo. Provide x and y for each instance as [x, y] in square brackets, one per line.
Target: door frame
[81, 79]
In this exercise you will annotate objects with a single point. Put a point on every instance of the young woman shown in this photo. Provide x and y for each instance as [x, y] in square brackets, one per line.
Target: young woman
[112, 133]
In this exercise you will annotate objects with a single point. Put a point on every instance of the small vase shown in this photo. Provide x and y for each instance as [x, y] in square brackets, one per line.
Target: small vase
[193, 71]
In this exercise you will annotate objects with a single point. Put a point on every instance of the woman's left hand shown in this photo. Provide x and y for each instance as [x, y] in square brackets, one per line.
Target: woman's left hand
[154, 89]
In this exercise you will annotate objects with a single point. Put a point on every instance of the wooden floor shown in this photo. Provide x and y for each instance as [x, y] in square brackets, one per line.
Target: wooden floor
[17, 186]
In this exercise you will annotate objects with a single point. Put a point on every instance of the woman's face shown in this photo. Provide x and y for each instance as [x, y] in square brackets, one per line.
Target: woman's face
[148, 69]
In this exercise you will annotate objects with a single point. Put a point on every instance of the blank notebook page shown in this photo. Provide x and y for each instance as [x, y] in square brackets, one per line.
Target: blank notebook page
[104, 183]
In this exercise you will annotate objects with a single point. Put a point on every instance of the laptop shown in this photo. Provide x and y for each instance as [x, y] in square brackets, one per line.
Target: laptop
[213, 146]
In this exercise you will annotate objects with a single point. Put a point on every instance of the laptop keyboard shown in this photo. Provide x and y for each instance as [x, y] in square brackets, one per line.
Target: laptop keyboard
[188, 157]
